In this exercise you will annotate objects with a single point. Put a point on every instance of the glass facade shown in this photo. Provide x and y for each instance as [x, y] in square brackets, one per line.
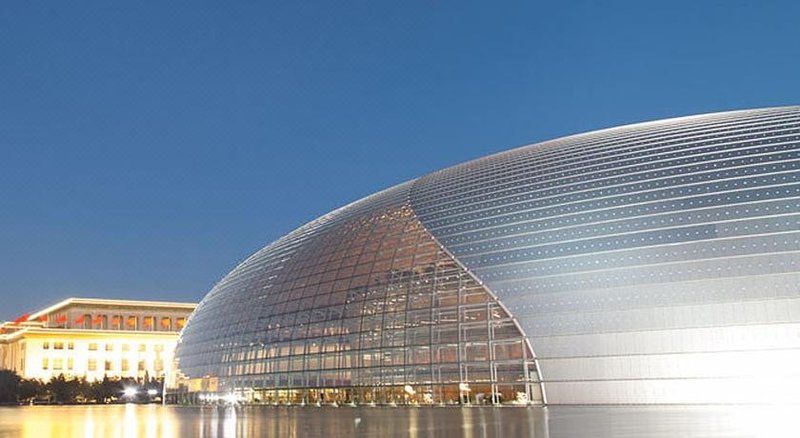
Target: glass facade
[651, 263]
[367, 309]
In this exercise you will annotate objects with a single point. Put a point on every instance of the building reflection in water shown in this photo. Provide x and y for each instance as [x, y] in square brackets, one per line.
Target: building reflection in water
[294, 422]
[154, 421]
[229, 429]
[151, 421]
[413, 424]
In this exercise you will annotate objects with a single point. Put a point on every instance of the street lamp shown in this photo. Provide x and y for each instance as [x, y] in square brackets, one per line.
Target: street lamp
[130, 392]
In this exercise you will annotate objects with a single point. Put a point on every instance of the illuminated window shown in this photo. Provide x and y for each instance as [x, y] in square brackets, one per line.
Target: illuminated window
[131, 323]
[100, 321]
[158, 348]
[125, 366]
[126, 347]
[58, 363]
[46, 345]
[70, 363]
[180, 322]
[159, 365]
[149, 322]
[45, 363]
[142, 347]
[92, 365]
[108, 366]
[141, 366]
[70, 346]
[92, 347]
[109, 347]
[166, 323]
[58, 345]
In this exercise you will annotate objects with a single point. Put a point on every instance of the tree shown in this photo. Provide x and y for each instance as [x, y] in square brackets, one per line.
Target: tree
[83, 391]
[106, 390]
[31, 389]
[9, 386]
[63, 390]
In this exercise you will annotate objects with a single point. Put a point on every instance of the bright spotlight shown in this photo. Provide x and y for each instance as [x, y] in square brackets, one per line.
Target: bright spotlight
[152, 392]
[130, 392]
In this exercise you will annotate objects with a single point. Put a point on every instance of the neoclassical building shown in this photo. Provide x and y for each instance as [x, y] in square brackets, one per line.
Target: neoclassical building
[94, 338]
[651, 263]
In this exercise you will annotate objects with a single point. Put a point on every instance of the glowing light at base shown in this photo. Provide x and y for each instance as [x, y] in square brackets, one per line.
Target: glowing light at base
[231, 399]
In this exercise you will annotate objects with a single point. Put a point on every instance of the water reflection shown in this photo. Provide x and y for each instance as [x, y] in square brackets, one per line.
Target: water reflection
[152, 421]
[87, 421]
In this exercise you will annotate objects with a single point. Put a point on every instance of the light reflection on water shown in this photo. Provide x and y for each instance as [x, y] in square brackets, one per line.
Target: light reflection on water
[153, 421]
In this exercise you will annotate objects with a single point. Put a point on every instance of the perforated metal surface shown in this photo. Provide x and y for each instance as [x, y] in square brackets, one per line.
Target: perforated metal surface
[651, 263]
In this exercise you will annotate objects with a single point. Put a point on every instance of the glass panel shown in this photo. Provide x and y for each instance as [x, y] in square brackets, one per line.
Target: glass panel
[372, 302]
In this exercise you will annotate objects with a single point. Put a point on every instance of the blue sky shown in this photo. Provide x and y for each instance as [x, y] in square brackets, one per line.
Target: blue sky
[147, 148]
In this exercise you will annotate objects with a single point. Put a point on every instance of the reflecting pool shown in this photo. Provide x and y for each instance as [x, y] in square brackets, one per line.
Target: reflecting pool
[552, 422]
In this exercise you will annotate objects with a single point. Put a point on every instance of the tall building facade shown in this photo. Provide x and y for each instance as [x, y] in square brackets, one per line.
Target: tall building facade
[94, 338]
[650, 263]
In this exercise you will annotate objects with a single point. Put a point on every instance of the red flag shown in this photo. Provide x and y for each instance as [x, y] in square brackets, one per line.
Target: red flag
[61, 319]
[43, 318]
[22, 319]
[97, 319]
[80, 319]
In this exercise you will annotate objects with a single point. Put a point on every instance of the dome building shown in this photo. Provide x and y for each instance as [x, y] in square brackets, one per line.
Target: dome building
[650, 263]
